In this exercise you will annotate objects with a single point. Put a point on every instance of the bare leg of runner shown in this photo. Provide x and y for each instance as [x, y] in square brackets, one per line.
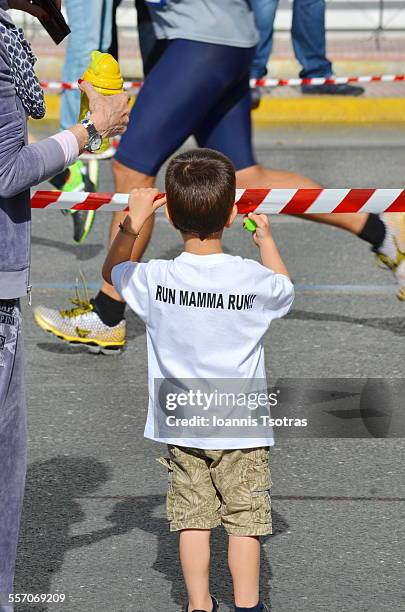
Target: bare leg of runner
[258, 177]
[384, 233]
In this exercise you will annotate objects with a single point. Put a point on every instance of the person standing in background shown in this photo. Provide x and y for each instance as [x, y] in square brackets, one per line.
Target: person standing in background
[309, 42]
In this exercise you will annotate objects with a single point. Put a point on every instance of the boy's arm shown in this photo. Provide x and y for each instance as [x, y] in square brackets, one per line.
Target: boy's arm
[269, 252]
[142, 205]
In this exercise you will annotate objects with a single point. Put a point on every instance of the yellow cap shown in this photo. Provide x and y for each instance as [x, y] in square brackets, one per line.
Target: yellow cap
[104, 72]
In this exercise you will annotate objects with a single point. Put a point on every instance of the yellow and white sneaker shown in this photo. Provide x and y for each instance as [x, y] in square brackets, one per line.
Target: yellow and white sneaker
[392, 250]
[81, 325]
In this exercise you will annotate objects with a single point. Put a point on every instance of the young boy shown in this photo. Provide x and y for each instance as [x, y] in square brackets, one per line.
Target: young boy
[216, 480]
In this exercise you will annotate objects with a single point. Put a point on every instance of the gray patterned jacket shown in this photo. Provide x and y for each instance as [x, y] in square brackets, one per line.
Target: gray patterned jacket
[21, 167]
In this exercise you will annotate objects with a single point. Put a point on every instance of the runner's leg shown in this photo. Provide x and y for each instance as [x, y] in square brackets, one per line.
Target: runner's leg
[125, 180]
[259, 177]
[228, 130]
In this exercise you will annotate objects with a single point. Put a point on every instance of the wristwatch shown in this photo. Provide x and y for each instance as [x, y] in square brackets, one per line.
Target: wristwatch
[95, 140]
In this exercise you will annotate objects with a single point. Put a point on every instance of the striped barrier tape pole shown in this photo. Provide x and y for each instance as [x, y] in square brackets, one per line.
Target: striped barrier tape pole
[269, 201]
[58, 86]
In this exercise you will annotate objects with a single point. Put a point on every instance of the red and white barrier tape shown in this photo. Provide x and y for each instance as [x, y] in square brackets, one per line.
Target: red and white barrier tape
[269, 201]
[57, 86]
[265, 83]
[384, 78]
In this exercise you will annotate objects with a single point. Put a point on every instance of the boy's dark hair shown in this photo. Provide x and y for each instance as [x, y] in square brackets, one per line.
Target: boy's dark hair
[200, 189]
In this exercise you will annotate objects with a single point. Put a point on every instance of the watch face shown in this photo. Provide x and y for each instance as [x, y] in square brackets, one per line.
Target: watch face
[95, 143]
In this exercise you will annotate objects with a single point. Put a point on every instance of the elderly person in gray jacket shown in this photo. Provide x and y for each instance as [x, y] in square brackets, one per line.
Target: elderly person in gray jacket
[21, 167]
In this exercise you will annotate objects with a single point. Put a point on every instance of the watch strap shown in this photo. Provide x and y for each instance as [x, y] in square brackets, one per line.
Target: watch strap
[90, 129]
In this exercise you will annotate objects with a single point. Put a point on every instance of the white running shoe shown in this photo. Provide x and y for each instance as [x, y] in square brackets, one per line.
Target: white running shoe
[392, 250]
[81, 325]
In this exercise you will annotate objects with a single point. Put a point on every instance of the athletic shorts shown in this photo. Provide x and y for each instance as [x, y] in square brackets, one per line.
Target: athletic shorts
[194, 89]
[208, 488]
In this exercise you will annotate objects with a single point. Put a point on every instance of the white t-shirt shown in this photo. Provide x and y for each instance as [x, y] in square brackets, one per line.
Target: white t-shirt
[205, 318]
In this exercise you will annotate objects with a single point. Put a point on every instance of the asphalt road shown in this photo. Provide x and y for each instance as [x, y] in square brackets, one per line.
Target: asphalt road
[94, 522]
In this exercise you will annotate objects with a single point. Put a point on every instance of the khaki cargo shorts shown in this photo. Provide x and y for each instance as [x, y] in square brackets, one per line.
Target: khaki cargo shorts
[208, 488]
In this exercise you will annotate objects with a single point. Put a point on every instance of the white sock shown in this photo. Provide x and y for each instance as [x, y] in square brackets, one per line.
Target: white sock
[388, 247]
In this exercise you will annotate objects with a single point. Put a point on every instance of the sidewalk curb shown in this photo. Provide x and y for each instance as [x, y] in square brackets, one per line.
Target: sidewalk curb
[330, 110]
[315, 110]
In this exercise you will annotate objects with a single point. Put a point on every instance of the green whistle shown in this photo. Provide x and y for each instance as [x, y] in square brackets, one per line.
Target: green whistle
[249, 225]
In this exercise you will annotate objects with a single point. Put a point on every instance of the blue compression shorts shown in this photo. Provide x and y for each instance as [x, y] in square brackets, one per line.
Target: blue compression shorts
[194, 88]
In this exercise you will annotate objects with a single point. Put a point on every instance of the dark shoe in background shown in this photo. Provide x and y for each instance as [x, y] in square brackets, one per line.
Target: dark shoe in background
[333, 89]
[255, 97]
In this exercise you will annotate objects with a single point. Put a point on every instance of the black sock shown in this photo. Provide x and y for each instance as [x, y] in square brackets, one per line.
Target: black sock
[60, 179]
[110, 311]
[373, 231]
[257, 608]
